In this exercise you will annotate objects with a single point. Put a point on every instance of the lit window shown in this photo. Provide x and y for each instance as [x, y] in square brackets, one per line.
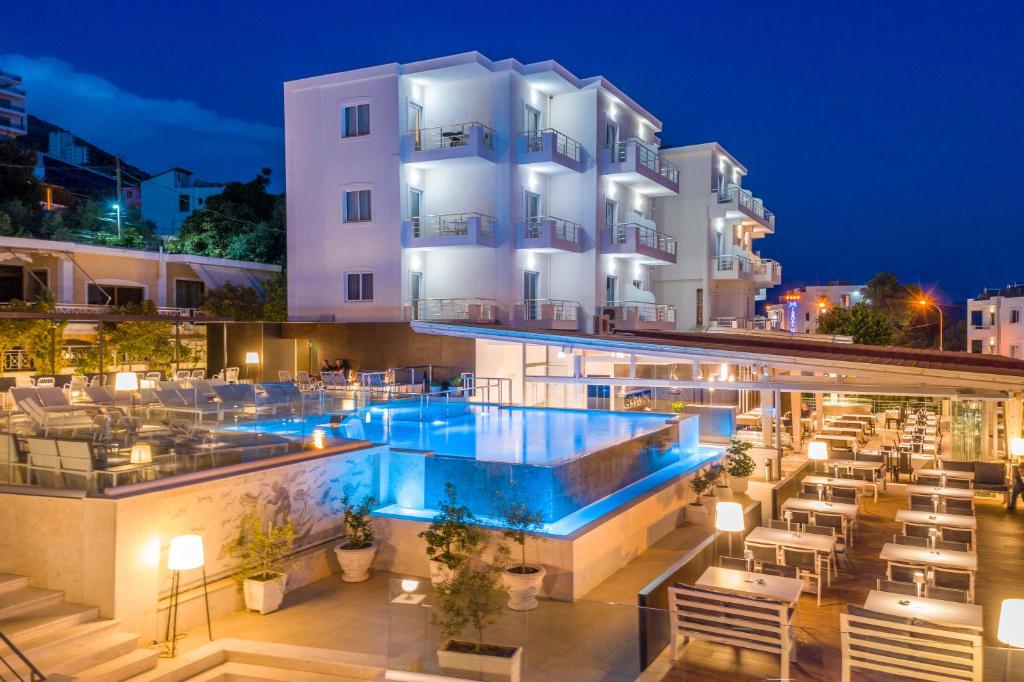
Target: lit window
[357, 206]
[356, 121]
[359, 286]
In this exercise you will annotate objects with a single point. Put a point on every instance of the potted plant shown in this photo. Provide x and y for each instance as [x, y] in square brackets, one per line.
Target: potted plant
[355, 555]
[451, 537]
[716, 474]
[522, 580]
[678, 407]
[472, 600]
[739, 465]
[696, 511]
[263, 549]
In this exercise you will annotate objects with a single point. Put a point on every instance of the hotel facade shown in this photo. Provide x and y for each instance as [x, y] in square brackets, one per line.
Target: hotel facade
[994, 322]
[462, 188]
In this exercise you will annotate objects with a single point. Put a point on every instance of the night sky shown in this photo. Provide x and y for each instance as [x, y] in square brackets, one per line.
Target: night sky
[884, 135]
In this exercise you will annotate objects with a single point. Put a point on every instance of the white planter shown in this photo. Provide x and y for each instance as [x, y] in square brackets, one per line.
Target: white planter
[355, 563]
[696, 513]
[440, 573]
[723, 492]
[508, 667]
[264, 595]
[523, 587]
[739, 484]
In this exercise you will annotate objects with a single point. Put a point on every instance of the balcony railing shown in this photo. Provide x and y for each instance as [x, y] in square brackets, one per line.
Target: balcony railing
[8, 123]
[647, 156]
[468, 309]
[645, 236]
[93, 309]
[564, 145]
[755, 324]
[450, 224]
[534, 309]
[450, 136]
[747, 201]
[732, 263]
[11, 106]
[565, 230]
[767, 268]
[646, 312]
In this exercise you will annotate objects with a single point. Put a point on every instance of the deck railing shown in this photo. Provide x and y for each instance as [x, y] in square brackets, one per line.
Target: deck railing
[564, 145]
[449, 224]
[533, 308]
[747, 200]
[566, 230]
[645, 236]
[450, 136]
[647, 156]
[646, 312]
[451, 308]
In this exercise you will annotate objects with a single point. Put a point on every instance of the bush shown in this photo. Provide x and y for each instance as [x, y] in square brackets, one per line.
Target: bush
[738, 462]
[358, 526]
[264, 548]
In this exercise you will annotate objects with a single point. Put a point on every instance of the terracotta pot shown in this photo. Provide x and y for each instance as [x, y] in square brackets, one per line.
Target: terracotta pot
[355, 563]
[264, 595]
[523, 587]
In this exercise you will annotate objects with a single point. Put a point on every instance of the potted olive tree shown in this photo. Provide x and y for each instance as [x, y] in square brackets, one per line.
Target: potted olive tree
[472, 600]
[716, 474]
[739, 465]
[522, 580]
[264, 549]
[453, 535]
[355, 555]
[697, 511]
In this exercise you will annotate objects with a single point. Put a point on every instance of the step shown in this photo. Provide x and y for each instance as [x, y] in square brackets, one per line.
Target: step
[46, 619]
[250, 672]
[47, 645]
[85, 655]
[121, 668]
[9, 581]
[26, 599]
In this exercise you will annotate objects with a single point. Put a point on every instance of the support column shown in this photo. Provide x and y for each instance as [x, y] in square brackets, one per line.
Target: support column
[986, 430]
[65, 291]
[778, 433]
[766, 419]
[794, 406]
[819, 411]
[1012, 410]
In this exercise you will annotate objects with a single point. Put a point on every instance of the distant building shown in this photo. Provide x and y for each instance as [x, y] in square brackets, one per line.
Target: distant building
[994, 322]
[170, 197]
[62, 145]
[799, 309]
[13, 119]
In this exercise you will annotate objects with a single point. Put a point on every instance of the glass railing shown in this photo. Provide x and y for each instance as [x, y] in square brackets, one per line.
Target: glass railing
[452, 309]
[450, 136]
[732, 263]
[564, 145]
[450, 224]
[646, 156]
[565, 230]
[756, 324]
[645, 236]
[767, 268]
[748, 201]
[560, 310]
[646, 312]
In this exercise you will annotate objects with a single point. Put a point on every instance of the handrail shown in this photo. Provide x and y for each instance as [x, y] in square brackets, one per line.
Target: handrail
[450, 308]
[731, 263]
[746, 199]
[647, 155]
[566, 230]
[645, 236]
[449, 136]
[35, 674]
[532, 308]
[11, 106]
[756, 323]
[647, 312]
[450, 224]
[564, 145]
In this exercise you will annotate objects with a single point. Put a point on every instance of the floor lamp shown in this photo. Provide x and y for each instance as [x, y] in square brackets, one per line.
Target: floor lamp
[185, 554]
[1011, 629]
[729, 519]
[817, 451]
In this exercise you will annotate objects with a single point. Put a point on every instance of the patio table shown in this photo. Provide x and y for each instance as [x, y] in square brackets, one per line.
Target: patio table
[938, 611]
[958, 493]
[765, 586]
[769, 536]
[948, 520]
[943, 558]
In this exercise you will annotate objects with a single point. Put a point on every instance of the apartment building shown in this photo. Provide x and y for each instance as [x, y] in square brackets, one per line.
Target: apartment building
[994, 323]
[798, 309]
[719, 272]
[13, 117]
[170, 197]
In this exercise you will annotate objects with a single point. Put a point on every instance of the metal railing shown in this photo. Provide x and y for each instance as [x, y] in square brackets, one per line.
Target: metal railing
[757, 323]
[533, 309]
[450, 224]
[746, 200]
[11, 106]
[645, 236]
[450, 136]
[34, 674]
[451, 308]
[7, 123]
[99, 308]
[564, 145]
[566, 230]
[647, 156]
[646, 312]
[767, 267]
[732, 263]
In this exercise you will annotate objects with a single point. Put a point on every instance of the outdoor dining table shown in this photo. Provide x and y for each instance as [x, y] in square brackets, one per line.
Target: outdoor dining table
[851, 512]
[943, 558]
[855, 433]
[947, 520]
[938, 611]
[857, 483]
[834, 439]
[825, 544]
[944, 474]
[860, 465]
[958, 493]
[752, 584]
[859, 426]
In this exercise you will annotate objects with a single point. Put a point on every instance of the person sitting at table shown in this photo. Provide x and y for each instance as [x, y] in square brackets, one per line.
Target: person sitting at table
[1018, 485]
[325, 366]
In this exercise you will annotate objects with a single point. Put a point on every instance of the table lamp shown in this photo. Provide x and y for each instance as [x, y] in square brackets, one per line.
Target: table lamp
[409, 595]
[1011, 628]
[788, 516]
[185, 554]
[918, 581]
[933, 533]
[142, 453]
[821, 492]
[126, 381]
[935, 503]
[748, 559]
[729, 519]
[817, 451]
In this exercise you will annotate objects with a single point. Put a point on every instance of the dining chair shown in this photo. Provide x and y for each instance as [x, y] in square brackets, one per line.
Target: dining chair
[917, 530]
[736, 563]
[964, 535]
[921, 503]
[955, 579]
[952, 545]
[960, 512]
[900, 572]
[811, 488]
[946, 594]
[762, 552]
[844, 494]
[807, 496]
[801, 517]
[778, 525]
[960, 483]
[807, 563]
[957, 503]
[910, 540]
[779, 570]
[929, 479]
[896, 587]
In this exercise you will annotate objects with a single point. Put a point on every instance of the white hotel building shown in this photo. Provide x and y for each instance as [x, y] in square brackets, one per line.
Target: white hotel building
[461, 188]
[995, 322]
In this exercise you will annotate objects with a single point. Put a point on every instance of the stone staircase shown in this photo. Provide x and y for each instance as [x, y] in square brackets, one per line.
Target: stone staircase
[66, 641]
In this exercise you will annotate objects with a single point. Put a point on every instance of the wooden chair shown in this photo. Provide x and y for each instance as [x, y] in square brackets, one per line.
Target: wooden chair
[952, 545]
[961, 483]
[955, 579]
[904, 573]
[842, 532]
[778, 525]
[807, 562]
[964, 535]
[736, 563]
[43, 462]
[742, 622]
[843, 494]
[916, 530]
[909, 540]
[946, 594]
[921, 503]
[763, 553]
[951, 503]
[896, 587]
[929, 479]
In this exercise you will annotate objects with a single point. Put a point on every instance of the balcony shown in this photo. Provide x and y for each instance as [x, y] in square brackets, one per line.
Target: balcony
[466, 143]
[639, 166]
[644, 244]
[450, 229]
[547, 313]
[732, 267]
[9, 106]
[547, 234]
[475, 310]
[7, 124]
[756, 324]
[638, 315]
[767, 271]
[740, 203]
[549, 152]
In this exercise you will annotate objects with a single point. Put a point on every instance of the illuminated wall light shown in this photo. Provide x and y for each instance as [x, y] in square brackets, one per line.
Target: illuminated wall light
[612, 111]
[531, 261]
[719, 224]
[415, 177]
[532, 181]
[638, 204]
[414, 261]
[637, 269]
[417, 92]
[723, 371]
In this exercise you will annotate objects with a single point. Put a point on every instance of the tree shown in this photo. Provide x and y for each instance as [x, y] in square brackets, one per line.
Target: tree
[862, 321]
[144, 341]
[17, 182]
[239, 303]
[34, 336]
[275, 305]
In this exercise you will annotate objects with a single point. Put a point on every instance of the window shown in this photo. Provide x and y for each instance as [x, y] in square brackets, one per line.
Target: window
[976, 318]
[357, 206]
[11, 283]
[188, 293]
[356, 121]
[976, 346]
[359, 286]
[36, 283]
[1015, 316]
[638, 284]
[700, 307]
[1015, 351]
[807, 317]
[184, 205]
[118, 295]
[199, 200]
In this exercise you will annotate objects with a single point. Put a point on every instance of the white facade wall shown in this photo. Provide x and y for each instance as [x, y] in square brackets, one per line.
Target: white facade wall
[162, 200]
[995, 325]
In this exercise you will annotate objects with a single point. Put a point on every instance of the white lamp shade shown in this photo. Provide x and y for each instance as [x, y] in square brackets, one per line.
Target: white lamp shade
[1017, 447]
[410, 585]
[142, 453]
[186, 553]
[1011, 623]
[729, 517]
[252, 358]
[126, 381]
[817, 450]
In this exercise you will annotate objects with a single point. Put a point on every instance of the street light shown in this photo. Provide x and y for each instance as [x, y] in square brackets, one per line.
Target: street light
[117, 207]
[924, 303]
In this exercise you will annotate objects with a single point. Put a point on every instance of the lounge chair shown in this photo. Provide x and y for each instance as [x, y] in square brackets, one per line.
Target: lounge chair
[100, 395]
[292, 394]
[45, 382]
[57, 422]
[198, 374]
[182, 375]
